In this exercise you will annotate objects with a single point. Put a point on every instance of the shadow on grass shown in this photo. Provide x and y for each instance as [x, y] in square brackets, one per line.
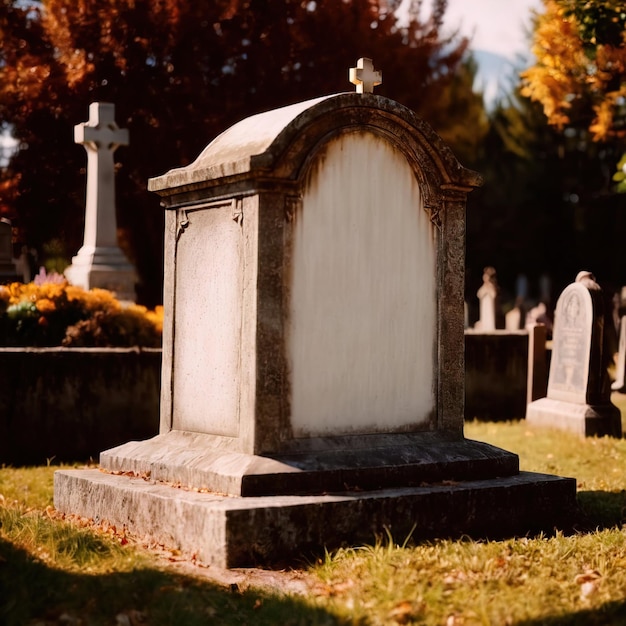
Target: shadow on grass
[601, 510]
[33, 593]
[609, 614]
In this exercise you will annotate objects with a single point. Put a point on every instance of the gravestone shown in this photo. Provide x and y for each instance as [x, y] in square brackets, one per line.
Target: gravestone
[579, 393]
[313, 374]
[515, 319]
[100, 262]
[619, 384]
[8, 271]
[489, 305]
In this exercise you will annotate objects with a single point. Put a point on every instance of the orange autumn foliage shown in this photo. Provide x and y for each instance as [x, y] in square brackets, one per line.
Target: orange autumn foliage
[579, 79]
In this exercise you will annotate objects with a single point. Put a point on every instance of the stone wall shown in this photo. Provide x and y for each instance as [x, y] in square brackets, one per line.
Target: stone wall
[504, 370]
[71, 403]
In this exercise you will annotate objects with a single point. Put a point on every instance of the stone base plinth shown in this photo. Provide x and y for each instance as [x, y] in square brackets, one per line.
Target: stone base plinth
[228, 531]
[584, 419]
[103, 268]
[309, 467]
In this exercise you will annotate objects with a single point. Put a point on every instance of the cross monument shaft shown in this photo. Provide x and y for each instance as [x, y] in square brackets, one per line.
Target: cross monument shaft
[101, 262]
[100, 136]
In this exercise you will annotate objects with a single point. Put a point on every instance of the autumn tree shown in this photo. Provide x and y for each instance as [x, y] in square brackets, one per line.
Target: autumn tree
[580, 74]
[179, 73]
[579, 79]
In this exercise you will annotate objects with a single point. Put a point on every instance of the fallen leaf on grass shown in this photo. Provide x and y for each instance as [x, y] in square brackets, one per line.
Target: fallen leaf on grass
[403, 612]
[455, 576]
[333, 589]
[589, 582]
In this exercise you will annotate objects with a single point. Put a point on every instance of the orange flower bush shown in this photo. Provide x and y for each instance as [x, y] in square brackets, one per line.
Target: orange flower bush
[59, 314]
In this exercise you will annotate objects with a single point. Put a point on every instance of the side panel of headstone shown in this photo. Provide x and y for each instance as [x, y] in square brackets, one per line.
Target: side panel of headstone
[208, 297]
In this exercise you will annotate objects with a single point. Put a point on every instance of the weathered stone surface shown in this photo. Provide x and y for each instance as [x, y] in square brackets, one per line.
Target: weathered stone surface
[291, 349]
[239, 532]
[584, 419]
[359, 463]
[313, 343]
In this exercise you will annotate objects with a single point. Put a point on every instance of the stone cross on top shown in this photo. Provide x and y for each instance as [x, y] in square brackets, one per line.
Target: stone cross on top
[101, 136]
[364, 76]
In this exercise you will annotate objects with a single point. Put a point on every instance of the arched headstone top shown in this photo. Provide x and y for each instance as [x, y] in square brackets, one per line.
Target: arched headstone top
[278, 143]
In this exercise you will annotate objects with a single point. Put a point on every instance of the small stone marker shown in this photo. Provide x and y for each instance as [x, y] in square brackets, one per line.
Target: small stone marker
[578, 396]
[312, 384]
[488, 301]
[100, 262]
[365, 77]
[515, 319]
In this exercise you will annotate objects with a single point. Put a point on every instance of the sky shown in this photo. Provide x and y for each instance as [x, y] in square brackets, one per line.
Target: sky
[497, 26]
[499, 32]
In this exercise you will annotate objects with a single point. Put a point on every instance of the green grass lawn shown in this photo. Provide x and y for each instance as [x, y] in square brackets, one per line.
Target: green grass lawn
[58, 571]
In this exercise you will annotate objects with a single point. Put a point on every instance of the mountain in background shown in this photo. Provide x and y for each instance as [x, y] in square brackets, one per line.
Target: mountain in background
[497, 75]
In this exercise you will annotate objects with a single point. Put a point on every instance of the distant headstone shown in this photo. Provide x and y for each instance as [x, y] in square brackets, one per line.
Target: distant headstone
[100, 262]
[8, 271]
[488, 298]
[313, 373]
[515, 319]
[578, 397]
[619, 384]
[25, 264]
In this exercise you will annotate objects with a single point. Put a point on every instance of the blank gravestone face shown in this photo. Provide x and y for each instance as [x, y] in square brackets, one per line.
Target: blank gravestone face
[569, 370]
[362, 307]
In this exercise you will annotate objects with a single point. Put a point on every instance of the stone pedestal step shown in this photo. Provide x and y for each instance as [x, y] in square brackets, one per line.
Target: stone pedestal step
[231, 531]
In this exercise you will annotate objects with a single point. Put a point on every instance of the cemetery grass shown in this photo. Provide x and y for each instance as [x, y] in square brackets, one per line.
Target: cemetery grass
[60, 571]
